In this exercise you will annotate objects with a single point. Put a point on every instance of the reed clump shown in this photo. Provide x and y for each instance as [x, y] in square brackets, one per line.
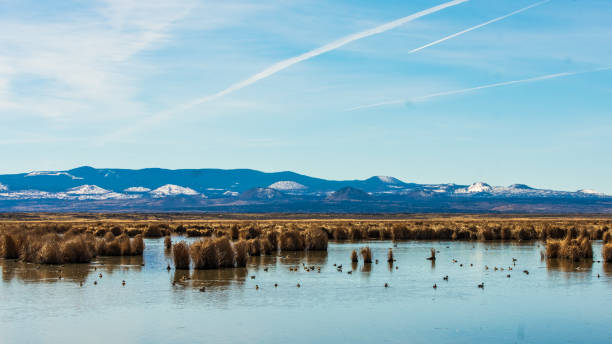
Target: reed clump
[574, 249]
[240, 247]
[291, 240]
[366, 254]
[180, 255]
[354, 257]
[606, 253]
[8, 247]
[316, 239]
[168, 242]
[390, 256]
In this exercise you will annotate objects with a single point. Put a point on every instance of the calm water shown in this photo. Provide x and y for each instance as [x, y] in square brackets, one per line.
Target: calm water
[556, 302]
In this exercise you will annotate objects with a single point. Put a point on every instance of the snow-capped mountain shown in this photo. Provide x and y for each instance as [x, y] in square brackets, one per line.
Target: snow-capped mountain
[287, 185]
[173, 190]
[87, 190]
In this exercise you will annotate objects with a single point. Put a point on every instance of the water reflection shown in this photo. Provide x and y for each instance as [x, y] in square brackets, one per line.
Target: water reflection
[567, 265]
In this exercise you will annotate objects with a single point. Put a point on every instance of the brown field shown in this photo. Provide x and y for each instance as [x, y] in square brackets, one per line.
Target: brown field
[226, 240]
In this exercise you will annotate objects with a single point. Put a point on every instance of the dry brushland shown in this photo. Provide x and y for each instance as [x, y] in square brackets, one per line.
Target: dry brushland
[227, 240]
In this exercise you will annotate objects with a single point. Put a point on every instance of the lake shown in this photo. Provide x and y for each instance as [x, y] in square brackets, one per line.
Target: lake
[556, 301]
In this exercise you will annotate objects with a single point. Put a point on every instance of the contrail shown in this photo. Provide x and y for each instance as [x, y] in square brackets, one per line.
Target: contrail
[477, 27]
[275, 68]
[465, 90]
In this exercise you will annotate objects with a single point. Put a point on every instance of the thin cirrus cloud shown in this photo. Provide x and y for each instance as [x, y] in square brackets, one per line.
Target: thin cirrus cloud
[279, 66]
[476, 27]
[476, 88]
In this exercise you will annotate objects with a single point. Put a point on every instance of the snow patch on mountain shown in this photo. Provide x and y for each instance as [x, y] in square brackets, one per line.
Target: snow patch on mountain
[3, 187]
[87, 190]
[287, 185]
[478, 187]
[173, 190]
[51, 173]
[591, 192]
[388, 180]
[231, 193]
[137, 189]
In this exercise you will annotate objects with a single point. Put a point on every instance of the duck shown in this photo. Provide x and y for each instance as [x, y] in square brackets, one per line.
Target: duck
[203, 289]
[526, 272]
[435, 286]
[123, 282]
[256, 286]
[266, 269]
[481, 285]
[168, 267]
[298, 285]
[100, 275]
[275, 285]
[376, 261]
[95, 282]
[445, 278]
[253, 277]
[386, 285]
[508, 275]
[349, 272]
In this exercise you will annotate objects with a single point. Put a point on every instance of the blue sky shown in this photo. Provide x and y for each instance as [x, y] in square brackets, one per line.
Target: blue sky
[110, 83]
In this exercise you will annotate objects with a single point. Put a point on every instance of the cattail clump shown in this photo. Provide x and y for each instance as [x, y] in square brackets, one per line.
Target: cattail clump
[204, 254]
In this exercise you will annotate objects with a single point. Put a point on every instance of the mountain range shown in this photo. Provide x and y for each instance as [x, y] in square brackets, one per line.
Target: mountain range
[244, 190]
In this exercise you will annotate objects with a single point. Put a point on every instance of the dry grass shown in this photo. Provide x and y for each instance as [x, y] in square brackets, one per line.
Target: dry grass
[366, 254]
[354, 257]
[168, 242]
[8, 247]
[390, 256]
[180, 255]
[291, 240]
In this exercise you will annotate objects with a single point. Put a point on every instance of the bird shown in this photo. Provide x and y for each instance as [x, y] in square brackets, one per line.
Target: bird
[597, 275]
[298, 285]
[123, 282]
[481, 285]
[256, 286]
[435, 286]
[168, 267]
[386, 285]
[266, 269]
[253, 277]
[526, 272]
[396, 267]
[514, 259]
[349, 272]
[376, 261]
[95, 282]
[100, 275]
[203, 289]
[508, 275]
[275, 285]
[80, 284]
[461, 265]
[445, 278]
